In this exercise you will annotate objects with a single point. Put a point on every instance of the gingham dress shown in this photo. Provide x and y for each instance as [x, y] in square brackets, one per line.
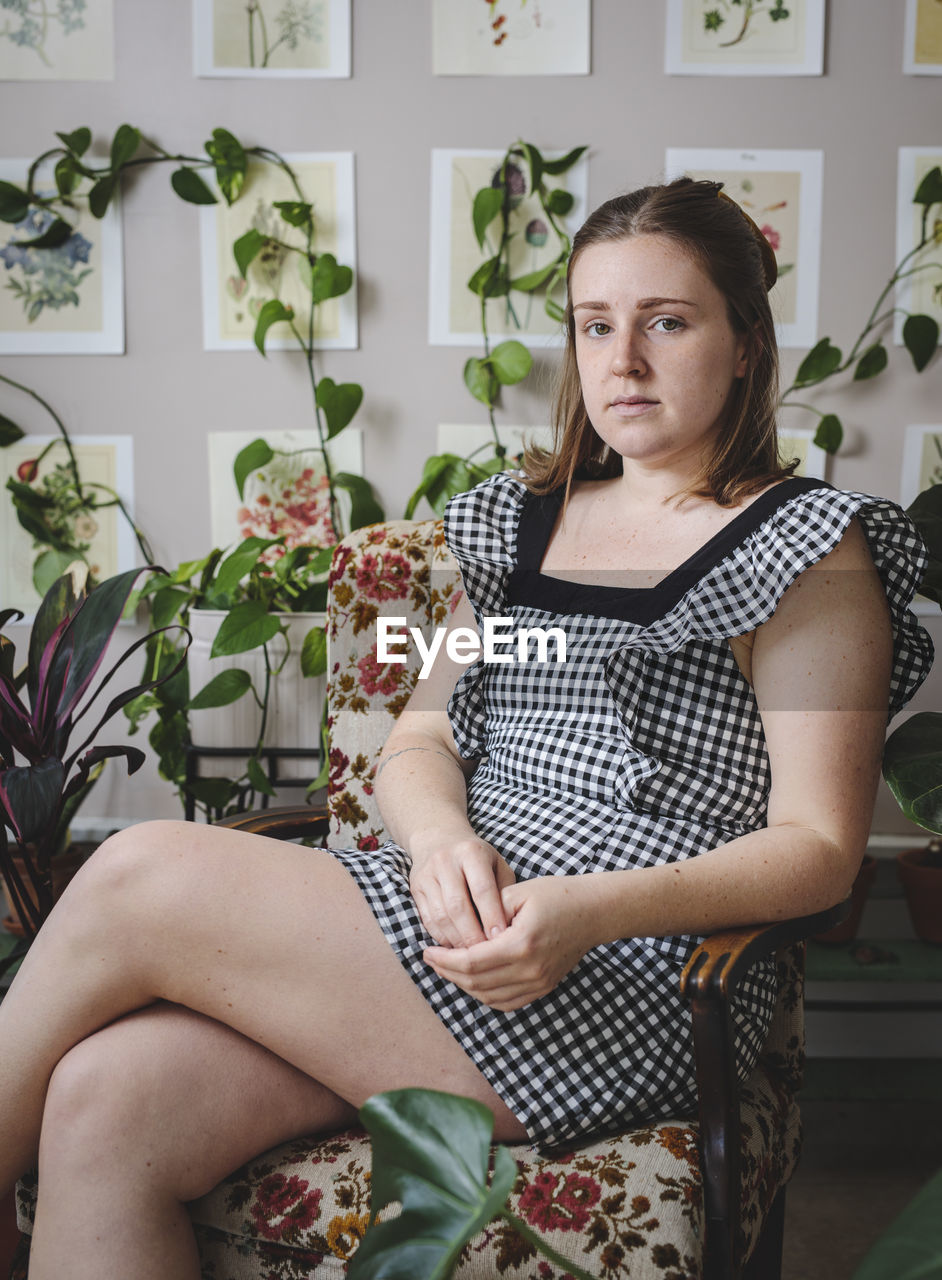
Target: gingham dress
[645, 746]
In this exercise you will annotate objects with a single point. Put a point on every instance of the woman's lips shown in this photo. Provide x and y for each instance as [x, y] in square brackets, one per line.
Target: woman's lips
[632, 405]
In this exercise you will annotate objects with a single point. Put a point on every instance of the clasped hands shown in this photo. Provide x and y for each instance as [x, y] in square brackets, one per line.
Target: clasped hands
[503, 942]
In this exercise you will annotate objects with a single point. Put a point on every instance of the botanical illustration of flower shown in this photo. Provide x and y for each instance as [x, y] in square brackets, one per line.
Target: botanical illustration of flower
[34, 18]
[67, 515]
[498, 19]
[742, 12]
[287, 501]
[296, 20]
[44, 277]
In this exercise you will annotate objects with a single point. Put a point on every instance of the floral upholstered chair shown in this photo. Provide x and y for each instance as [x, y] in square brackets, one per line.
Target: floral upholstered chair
[678, 1200]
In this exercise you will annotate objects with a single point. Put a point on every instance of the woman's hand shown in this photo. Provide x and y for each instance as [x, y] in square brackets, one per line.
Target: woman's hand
[550, 928]
[457, 889]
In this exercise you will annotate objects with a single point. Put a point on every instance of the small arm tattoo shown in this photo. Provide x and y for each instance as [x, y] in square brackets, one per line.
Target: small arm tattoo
[402, 751]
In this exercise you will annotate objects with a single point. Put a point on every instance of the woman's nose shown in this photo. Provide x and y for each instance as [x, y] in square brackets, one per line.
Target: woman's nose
[627, 360]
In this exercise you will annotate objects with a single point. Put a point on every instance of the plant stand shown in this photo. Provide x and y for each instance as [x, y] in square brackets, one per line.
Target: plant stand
[272, 756]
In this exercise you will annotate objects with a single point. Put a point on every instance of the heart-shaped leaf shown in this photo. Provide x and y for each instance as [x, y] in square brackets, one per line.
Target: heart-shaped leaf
[486, 207]
[246, 626]
[314, 652]
[9, 432]
[339, 403]
[329, 279]
[511, 362]
[819, 363]
[565, 162]
[258, 777]
[480, 380]
[14, 203]
[257, 454]
[247, 248]
[364, 509]
[560, 202]
[830, 433]
[873, 361]
[230, 162]
[921, 337]
[55, 234]
[101, 193]
[125, 142]
[273, 312]
[78, 141]
[189, 186]
[297, 213]
[929, 190]
[224, 688]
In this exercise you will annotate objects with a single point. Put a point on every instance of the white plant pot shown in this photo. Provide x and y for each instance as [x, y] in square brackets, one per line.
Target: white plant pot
[295, 705]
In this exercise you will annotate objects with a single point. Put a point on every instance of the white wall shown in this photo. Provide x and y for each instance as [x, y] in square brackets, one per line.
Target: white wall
[169, 393]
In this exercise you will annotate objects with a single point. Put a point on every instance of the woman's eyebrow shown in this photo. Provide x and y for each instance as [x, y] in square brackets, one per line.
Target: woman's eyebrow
[643, 304]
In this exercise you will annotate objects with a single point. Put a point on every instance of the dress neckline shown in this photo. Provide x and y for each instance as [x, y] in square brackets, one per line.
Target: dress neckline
[529, 585]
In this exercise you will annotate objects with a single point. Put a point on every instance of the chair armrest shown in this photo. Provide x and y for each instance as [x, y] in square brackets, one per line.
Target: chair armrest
[288, 823]
[708, 982]
[716, 967]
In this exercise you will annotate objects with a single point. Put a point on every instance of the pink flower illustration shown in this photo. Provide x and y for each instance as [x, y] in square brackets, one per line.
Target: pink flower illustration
[771, 235]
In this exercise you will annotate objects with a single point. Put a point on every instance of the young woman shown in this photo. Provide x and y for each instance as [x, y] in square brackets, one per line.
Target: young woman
[561, 833]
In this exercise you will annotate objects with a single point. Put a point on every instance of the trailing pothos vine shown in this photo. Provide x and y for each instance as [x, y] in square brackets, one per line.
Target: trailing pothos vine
[261, 575]
[522, 172]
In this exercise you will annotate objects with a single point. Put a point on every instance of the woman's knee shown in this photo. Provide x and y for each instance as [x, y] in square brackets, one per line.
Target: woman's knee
[146, 862]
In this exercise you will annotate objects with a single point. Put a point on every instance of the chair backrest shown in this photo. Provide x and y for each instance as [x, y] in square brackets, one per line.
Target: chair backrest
[403, 569]
[400, 569]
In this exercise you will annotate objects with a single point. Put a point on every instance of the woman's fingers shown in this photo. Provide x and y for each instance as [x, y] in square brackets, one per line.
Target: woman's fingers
[458, 895]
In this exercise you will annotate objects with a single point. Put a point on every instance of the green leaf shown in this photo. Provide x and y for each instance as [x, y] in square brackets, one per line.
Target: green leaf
[125, 142]
[9, 432]
[929, 190]
[911, 1248]
[443, 476]
[55, 234]
[101, 194]
[559, 202]
[314, 652]
[246, 626]
[535, 160]
[819, 363]
[554, 310]
[78, 141]
[364, 509]
[329, 279]
[511, 362]
[257, 454]
[189, 186]
[238, 563]
[430, 1153]
[487, 205]
[481, 381]
[339, 403]
[258, 777]
[247, 248]
[830, 433]
[230, 162]
[926, 513]
[912, 767]
[297, 213]
[166, 604]
[873, 361]
[273, 312]
[67, 176]
[533, 279]
[565, 162]
[921, 337]
[14, 203]
[224, 688]
[213, 792]
[49, 566]
[490, 280]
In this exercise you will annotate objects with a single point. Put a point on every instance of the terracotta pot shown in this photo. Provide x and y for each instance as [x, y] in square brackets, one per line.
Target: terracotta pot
[858, 896]
[922, 886]
[64, 868]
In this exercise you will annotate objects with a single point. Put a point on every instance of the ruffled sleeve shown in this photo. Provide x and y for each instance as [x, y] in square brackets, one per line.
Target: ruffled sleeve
[744, 590]
[481, 533]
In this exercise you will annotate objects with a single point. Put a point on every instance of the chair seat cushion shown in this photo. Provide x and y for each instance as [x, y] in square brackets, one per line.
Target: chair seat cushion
[624, 1206]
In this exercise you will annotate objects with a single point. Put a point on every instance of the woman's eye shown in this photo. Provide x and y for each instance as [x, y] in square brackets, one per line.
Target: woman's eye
[668, 324]
[598, 328]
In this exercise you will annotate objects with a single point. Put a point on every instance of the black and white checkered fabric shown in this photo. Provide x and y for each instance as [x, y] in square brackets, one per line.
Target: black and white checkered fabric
[645, 746]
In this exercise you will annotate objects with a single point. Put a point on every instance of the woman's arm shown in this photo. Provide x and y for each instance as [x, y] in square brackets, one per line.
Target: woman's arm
[821, 670]
[421, 789]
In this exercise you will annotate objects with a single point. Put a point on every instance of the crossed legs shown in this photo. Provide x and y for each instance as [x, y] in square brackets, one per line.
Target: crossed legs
[197, 996]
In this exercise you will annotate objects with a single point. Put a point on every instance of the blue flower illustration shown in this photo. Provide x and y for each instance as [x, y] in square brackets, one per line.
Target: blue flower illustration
[42, 278]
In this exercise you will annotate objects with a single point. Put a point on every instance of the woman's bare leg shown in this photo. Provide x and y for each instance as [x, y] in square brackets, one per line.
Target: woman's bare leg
[271, 939]
[144, 1115]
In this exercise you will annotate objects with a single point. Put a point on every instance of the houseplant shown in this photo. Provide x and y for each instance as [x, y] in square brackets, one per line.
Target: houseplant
[912, 761]
[44, 776]
[521, 173]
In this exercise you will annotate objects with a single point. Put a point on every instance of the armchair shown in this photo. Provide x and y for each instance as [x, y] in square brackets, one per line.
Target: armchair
[677, 1200]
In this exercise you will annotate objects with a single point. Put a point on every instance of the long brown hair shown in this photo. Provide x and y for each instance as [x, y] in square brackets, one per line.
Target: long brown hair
[735, 255]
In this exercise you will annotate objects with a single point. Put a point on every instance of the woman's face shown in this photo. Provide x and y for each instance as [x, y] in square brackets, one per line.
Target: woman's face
[656, 353]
